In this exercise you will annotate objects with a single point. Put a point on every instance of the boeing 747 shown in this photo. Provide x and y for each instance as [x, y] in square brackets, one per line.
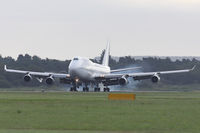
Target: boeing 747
[82, 71]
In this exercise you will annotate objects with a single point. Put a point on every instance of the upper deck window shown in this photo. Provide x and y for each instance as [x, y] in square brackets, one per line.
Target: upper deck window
[75, 58]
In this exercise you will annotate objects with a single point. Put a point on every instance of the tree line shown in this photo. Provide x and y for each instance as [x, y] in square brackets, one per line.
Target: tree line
[35, 63]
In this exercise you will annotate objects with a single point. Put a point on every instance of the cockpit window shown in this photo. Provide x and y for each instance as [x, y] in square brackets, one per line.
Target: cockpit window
[75, 58]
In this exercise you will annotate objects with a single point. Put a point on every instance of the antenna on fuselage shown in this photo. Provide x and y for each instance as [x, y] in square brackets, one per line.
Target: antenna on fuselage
[105, 61]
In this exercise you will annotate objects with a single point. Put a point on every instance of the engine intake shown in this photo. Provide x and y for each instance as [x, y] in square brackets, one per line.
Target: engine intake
[50, 80]
[27, 78]
[155, 78]
[123, 81]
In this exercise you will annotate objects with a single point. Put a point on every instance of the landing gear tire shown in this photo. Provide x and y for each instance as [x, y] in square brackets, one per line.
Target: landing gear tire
[97, 89]
[85, 89]
[73, 89]
[43, 90]
[106, 89]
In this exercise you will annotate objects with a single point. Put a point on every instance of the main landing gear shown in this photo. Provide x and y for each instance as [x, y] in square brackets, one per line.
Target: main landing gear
[73, 89]
[97, 89]
[106, 89]
[85, 89]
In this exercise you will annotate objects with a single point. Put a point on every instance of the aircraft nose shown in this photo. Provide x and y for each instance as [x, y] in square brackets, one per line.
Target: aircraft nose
[74, 70]
[75, 67]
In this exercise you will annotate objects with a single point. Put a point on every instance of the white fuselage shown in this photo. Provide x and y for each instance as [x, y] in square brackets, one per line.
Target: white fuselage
[85, 70]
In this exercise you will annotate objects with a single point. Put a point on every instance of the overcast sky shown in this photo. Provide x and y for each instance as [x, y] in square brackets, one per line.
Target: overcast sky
[62, 29]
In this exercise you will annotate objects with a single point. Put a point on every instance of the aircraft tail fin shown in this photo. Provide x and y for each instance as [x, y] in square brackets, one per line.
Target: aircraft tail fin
[105, 61]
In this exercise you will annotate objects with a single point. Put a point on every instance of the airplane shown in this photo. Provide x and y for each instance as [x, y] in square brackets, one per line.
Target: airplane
[82, 71]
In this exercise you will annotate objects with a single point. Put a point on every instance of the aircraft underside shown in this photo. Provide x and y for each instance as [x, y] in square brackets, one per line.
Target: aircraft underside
[88, 86]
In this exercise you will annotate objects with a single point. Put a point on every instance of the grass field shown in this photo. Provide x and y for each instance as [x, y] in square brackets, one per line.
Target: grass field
[151, 112]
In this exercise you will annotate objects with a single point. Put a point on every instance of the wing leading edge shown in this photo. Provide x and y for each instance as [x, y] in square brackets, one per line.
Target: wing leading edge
[125, 69]
[141, 75]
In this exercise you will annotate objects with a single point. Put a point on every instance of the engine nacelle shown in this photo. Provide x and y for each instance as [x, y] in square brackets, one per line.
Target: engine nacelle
[123, 81]
[27, 78]
[155, 78]
[50, 80]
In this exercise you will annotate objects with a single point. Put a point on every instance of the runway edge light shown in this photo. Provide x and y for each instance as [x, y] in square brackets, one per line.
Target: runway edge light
[121, 96]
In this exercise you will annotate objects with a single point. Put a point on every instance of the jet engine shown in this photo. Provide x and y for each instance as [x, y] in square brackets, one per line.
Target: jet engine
[123, 80]
[155, 78]
[50, 80]
[27, 78]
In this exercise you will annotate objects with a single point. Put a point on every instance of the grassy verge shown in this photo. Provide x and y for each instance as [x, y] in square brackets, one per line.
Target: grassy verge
[151, 112]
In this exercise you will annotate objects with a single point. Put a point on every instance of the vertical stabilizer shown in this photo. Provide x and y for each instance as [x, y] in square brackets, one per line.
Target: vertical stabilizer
[105, 61]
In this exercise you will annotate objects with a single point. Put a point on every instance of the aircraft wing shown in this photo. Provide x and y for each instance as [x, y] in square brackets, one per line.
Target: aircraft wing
[147, 75]
[124, 69]
[140, 75]
[38, 74]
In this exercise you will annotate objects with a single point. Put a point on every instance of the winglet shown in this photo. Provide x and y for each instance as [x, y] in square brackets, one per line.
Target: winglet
[5, 67]
[193, 67]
